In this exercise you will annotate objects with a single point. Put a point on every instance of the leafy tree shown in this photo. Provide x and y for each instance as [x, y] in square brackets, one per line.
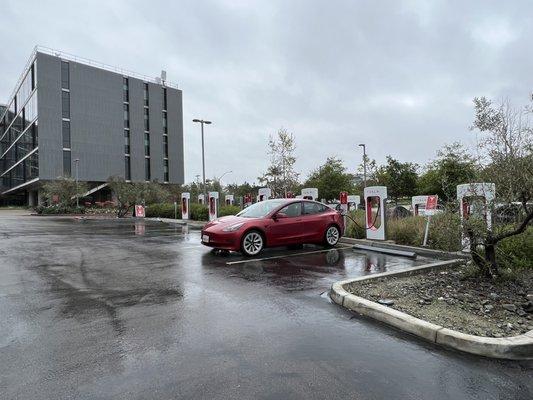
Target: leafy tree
[66, 190]
[453, 166]
[128, 194]
[280, 176]
[506, 151]
[330, 179]
[400, 178]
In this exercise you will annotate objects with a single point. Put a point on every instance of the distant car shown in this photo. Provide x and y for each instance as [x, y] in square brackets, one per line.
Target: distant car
[270, 223]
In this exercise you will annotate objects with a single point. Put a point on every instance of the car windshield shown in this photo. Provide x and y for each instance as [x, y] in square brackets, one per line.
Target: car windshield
[260, 209]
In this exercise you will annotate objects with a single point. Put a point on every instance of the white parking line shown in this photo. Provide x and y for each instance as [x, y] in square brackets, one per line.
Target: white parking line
[285, 255]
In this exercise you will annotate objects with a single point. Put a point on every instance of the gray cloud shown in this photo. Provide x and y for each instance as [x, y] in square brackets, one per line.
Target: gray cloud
[399, 76]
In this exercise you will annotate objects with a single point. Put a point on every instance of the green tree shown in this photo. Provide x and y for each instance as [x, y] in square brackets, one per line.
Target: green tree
[128, 194]
[330, 179]
[66, 189]
[506, 150]
[453, 166]
[280, 176]
[400, 178]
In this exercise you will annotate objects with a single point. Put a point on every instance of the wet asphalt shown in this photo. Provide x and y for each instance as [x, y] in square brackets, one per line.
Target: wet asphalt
[141, 310]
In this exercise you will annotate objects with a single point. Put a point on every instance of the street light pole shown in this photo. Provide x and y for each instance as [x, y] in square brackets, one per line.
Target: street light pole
[221, 176]
[364, 161]
[202, 122]
[76, 161]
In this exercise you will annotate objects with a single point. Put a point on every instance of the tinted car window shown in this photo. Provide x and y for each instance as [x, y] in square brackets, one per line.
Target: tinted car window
[312, 208]
[292, 210]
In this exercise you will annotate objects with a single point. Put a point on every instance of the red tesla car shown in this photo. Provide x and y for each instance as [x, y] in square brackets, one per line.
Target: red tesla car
[279, 222]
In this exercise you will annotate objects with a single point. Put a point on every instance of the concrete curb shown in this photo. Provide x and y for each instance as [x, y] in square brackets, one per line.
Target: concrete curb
[512, 348]
[422, 251]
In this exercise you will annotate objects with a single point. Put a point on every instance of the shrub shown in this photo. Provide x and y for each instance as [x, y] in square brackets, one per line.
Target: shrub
[516, 252]
[57, 209]
[228, 210]
[354, 230]
[408, 231]
[445, 232]
[162, 210]
[199, 212]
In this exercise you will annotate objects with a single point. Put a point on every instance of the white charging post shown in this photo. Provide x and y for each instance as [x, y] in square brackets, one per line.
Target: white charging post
[354, 199]
[475, 199]
[185, 203]
[201, 199]
[229, 200]
[264, 194]
[375, 195]
[213, 205]
[310, 193]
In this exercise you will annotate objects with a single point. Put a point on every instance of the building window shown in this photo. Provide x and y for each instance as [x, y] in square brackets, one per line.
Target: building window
[165, 170]
[147, 169]
[164, 98]
[65, 76]
[127, 168]
[146, 120]
[125, 90]
[67, 166]
[126, 116]
[66, 134]
[145, 95]
[165, 130]
[65, 100]
[127, 141]
[34, 135]
[165, 146]
[146, 144]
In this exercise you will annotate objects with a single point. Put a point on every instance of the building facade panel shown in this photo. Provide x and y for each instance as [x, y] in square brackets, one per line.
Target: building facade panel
[96, 122]
[156, 131]
[175, 135]
[49, 111]
[136, 129]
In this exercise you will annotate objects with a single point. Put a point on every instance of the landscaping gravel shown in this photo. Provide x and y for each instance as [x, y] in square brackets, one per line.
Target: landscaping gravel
[458, 299]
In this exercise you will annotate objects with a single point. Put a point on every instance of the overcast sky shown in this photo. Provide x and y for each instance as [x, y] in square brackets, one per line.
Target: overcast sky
[398, 76]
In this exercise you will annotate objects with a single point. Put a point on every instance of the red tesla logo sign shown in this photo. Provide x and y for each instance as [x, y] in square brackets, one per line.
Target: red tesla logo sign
[139, 211]
[431, 202]
[344, 198]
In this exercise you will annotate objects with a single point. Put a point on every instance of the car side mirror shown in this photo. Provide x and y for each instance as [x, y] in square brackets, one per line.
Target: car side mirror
[279, 215]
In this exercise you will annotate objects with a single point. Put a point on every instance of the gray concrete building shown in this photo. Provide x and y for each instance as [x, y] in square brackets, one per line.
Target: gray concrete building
[73, 117]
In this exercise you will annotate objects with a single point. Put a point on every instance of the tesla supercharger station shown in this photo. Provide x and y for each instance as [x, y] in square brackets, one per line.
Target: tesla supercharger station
[355, 200]
[375, 196]
[229, 200]
[416, 202]
[201, 199]
[213, 205]
[475, 199]
[343, 198]
[264, 194]
[185, 202]
[310, 193]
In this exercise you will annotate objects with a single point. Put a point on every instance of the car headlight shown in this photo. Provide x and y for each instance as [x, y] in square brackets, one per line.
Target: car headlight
[233, 228]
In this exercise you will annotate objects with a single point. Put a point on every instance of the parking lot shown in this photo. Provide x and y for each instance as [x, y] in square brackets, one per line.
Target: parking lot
[136, 310]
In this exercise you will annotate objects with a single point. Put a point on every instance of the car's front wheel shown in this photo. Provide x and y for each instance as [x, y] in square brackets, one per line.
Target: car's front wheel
[332, 236]
[252, 243]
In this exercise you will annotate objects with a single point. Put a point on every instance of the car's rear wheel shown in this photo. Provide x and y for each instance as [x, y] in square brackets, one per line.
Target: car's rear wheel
[252, 243]
[332, 236]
